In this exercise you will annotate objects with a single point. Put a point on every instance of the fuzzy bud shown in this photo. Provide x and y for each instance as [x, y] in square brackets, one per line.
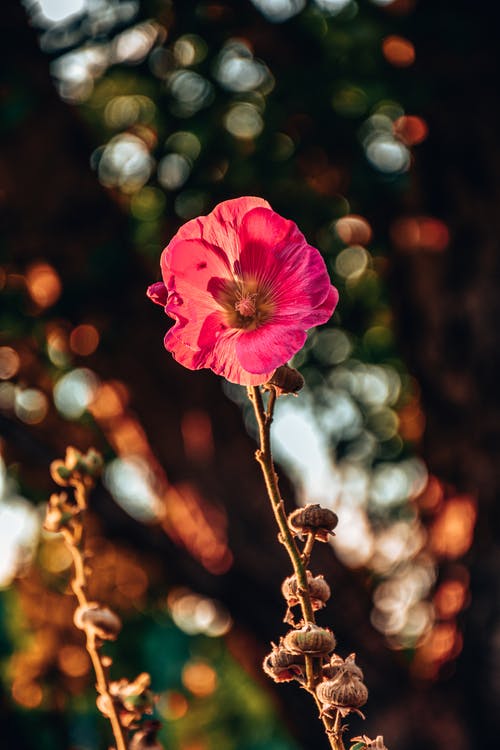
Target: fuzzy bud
[345, 692]
[338, 666]
[313, 519]
[283, 666]
[100, 620]
[77, 468]
[286, 380]
[319, 590]
[311, 640]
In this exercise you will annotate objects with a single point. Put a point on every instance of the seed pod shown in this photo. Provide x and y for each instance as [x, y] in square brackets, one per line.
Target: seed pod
[285, 380]
[283, 666]
[310, 639]
[319, 590]
[100, 620]
[338, 666]
[345, 691]
[313, 519]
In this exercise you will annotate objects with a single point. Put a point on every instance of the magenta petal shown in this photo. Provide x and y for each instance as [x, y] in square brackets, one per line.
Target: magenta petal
[264, 235]
[269, 347]
[196, 262]
[221, 227]
[158, 293]
[323, 312]
[225, 361]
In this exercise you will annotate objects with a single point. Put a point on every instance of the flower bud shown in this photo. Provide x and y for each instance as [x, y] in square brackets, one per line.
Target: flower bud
[345, 692]
[337, 666]
[283, 666]
[310, 639]
[77, 467]
[319, 590]
[99, 620]
[286, 380]
[313, 519]
[133, 698]
[61, 512]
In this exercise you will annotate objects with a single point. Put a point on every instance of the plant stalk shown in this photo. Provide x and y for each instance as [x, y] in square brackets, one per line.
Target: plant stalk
[299, 561]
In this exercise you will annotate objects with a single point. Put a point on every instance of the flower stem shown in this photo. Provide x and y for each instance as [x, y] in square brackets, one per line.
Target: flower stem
[265, 459]
[299, 561]
[74, 543]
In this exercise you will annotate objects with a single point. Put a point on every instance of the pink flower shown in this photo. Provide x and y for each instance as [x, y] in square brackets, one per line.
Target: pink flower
[243, 286]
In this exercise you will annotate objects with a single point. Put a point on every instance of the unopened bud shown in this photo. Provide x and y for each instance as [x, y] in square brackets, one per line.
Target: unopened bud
[319, 590]
[286, 380]
[310, 639]
[99, 620]
[345, 692]
[313, 519]
[283, 666]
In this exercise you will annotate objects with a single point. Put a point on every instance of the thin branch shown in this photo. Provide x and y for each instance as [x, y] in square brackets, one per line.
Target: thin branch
[299, 561]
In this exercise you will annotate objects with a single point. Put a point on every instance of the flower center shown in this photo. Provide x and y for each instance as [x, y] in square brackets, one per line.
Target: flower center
[246, 306]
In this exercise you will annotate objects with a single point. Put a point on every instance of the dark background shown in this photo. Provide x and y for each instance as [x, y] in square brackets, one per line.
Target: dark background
[435, 300]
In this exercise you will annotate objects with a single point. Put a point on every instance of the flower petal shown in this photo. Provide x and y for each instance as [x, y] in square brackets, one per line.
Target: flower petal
[269, 347]
[225, 361]
[158, 293]
[323, 312]
[221, 227]
[266, 236]
[276, 252]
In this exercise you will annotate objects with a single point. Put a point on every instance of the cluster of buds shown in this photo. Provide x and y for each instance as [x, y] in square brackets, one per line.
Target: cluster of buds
[79, 472]
[315, 520]
[365, 743]
[77, 468]
[63, 513]
[97, 620]
[132, 700]
[343, 689]
[286, 662]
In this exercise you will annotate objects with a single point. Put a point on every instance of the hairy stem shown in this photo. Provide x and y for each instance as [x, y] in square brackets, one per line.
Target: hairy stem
[299, 561]
[74, 543]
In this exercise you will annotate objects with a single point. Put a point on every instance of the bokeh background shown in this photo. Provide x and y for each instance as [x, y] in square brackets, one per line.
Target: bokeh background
[372, 124]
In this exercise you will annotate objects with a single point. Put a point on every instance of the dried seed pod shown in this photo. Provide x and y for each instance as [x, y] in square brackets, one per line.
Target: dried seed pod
[319, 590]
[100, 620]
[344, 692]
[285, 380]
[338, 666]
[313, 519]
[310, 639]
[283, 666]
